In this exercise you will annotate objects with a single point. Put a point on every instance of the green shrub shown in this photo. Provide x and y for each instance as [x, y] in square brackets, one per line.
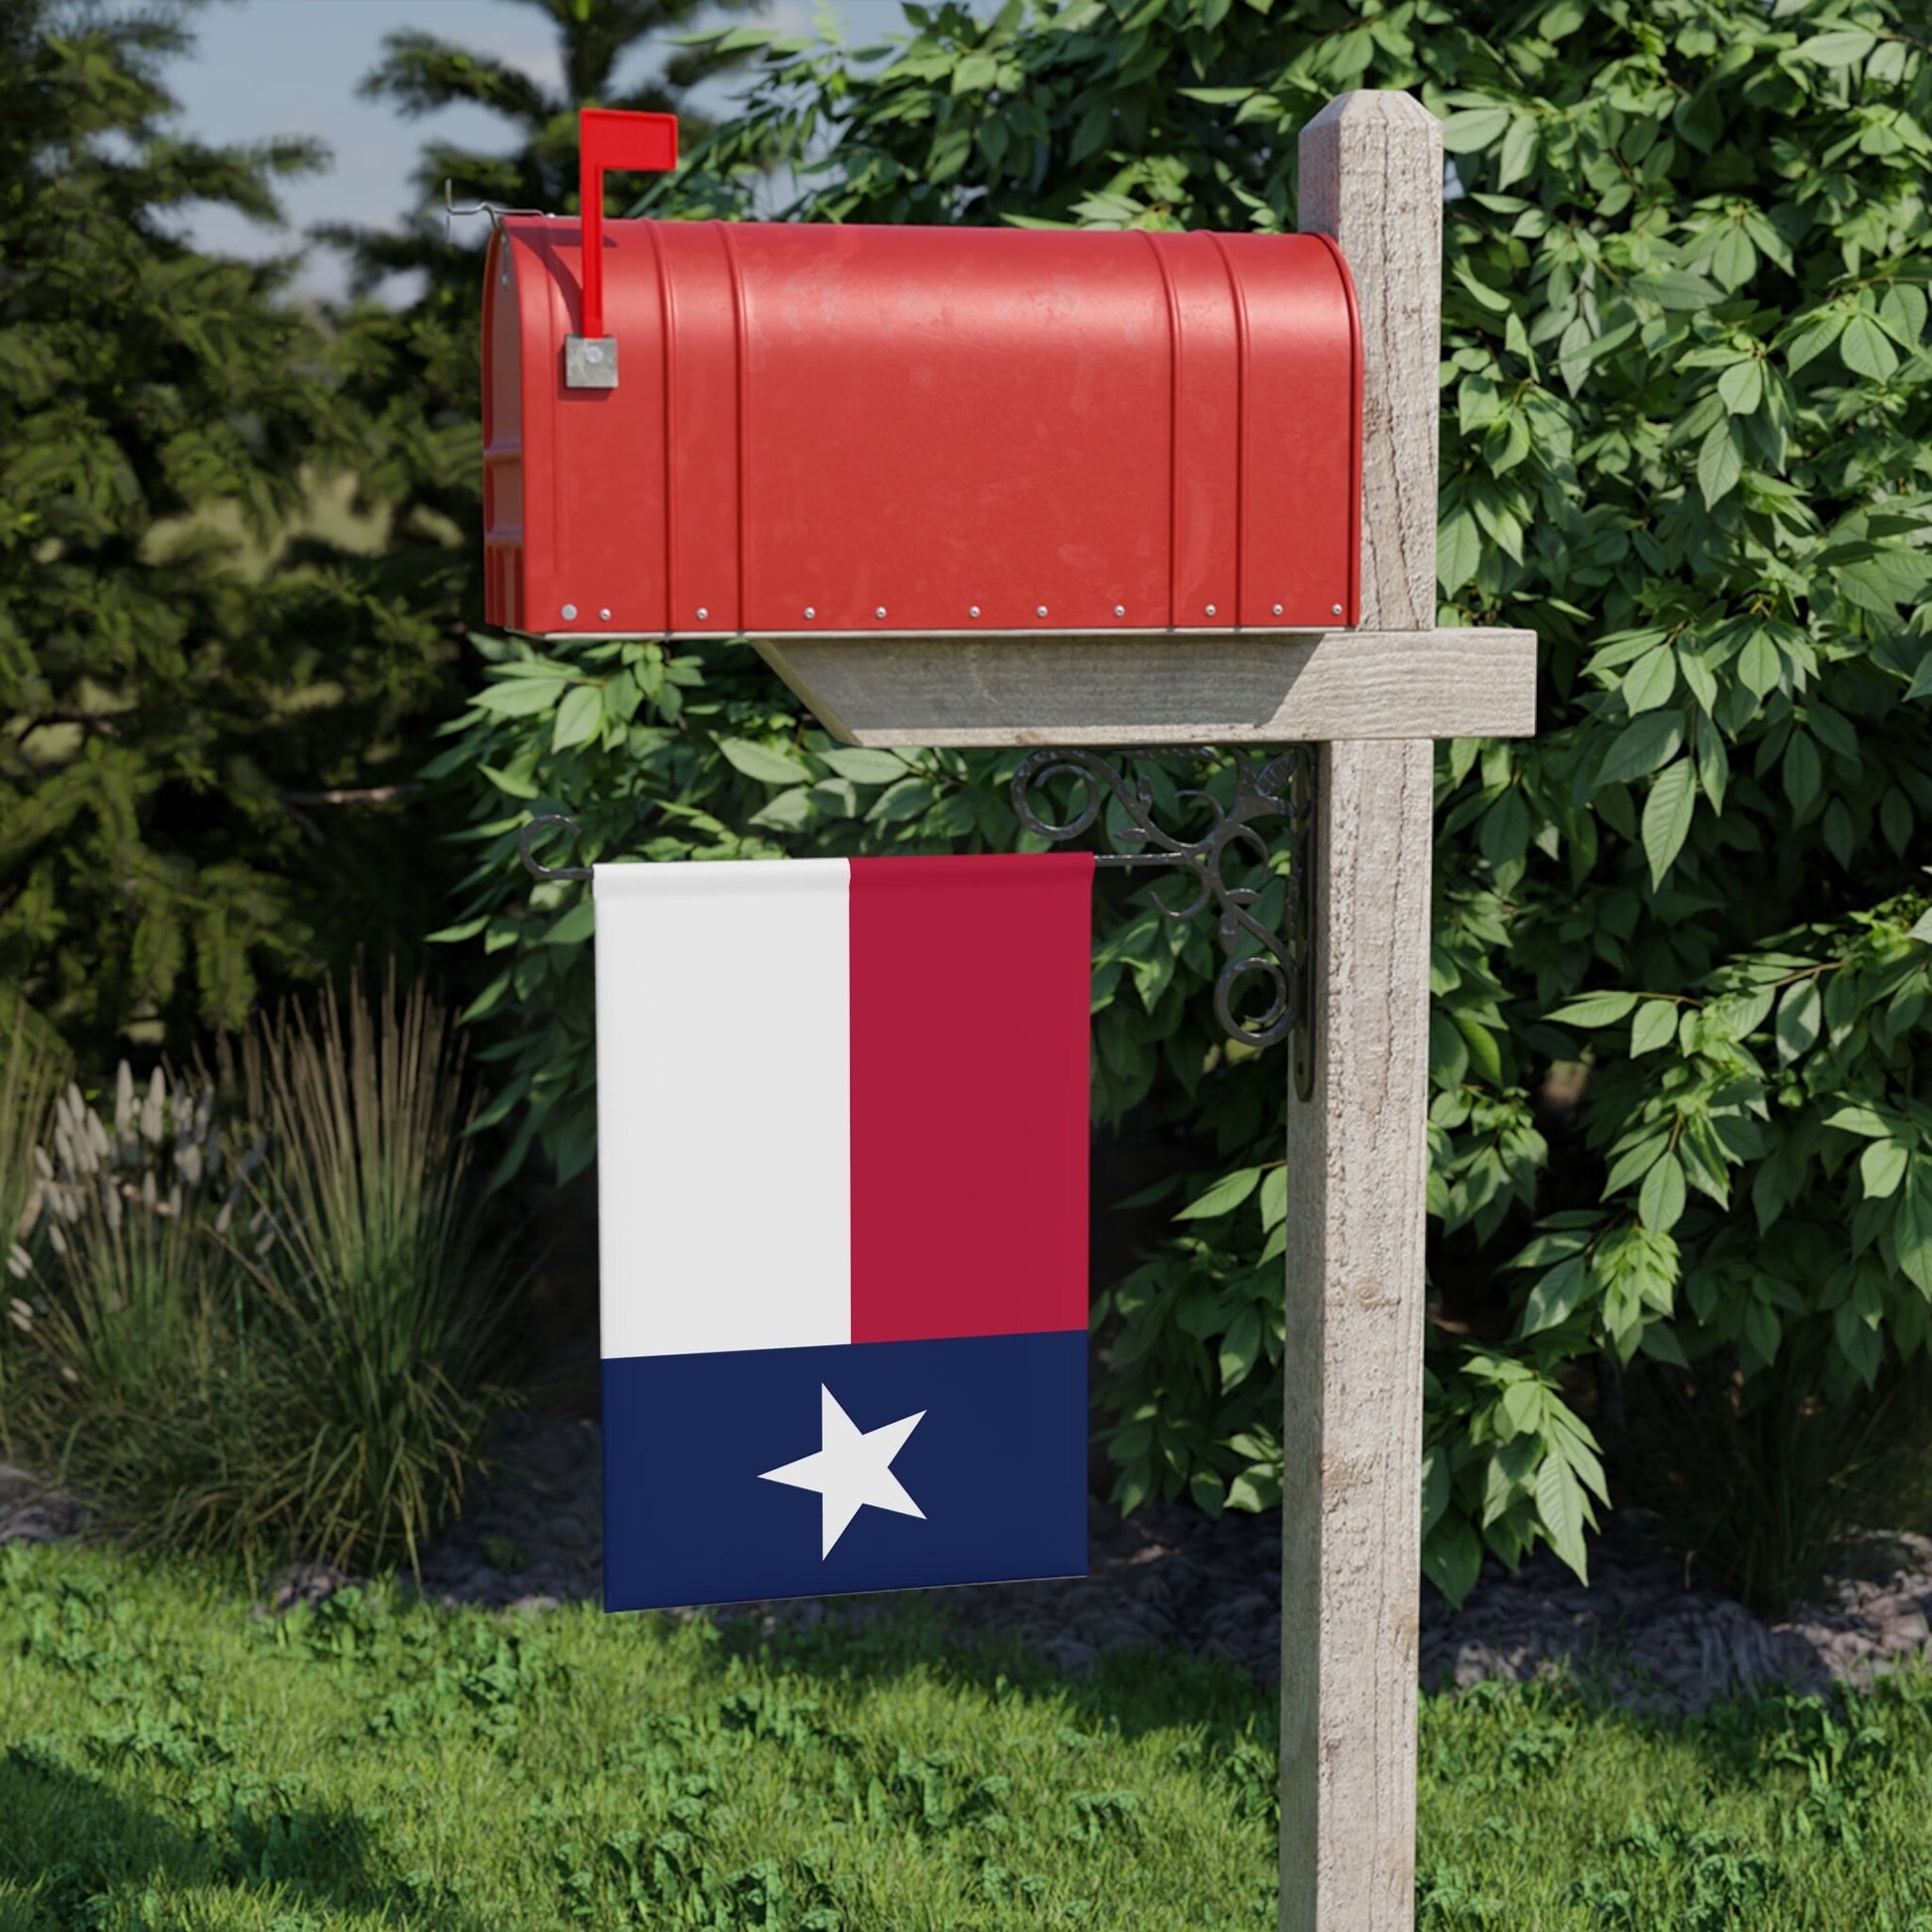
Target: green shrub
[1681, 1058]
[277, 1354]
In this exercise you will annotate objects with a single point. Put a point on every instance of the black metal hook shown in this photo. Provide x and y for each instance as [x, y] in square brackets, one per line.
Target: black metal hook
[548, 874]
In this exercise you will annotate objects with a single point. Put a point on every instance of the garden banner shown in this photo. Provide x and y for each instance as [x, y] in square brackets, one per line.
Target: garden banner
[842, 1173]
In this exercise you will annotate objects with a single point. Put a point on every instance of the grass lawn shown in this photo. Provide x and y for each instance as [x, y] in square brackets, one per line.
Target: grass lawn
[166, 1761]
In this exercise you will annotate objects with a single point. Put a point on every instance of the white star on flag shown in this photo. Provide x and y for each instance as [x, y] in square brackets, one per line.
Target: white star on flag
[852, 1469]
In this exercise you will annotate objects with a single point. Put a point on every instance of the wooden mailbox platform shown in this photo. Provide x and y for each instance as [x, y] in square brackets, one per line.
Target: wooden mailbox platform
[1242, 687]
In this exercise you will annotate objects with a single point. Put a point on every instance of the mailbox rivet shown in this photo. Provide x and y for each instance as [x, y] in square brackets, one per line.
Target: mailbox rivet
[881, 611]
[603, 617]
[1211, 610]
[703, 613]
[1120, 610]
[974, 612]
[570, 610]
[810, 612]
[1277, 609]
[1041, 611]
[1336, 607]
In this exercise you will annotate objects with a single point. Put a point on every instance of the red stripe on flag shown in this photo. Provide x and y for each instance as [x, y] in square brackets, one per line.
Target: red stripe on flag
[970, 998]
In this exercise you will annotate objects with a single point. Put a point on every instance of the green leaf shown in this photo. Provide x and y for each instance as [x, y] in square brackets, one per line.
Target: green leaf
[1649, 682]
[1911, 1229]
[1240, 1349]
[1843, 47]
[863, 764]
[1641, 748]
[1890, 577]
[1595, 1009]
[1903, 312]
[1720, 461]
[1434, 1487]
[1818, 335]
[1451, 1559]
[1881, 1167]
[1762, 1329]
[1660, 1200]
[1676, 288]
[1556, 1296]
[762, 763]
[1224, 1196]
[579, 717]
[1518, 154]
[1274, 1198]
[1801, 1014]
[1667, 815]
[1655, 1026]
[1733, 262]
[789, 810]
[1803, 772]
[516, 697]
[1866, 350]
[1484, 1054]
[1459, 551]
[575, 926]
[1471, 128]
[974, 73]
[1256, 1491]
[1559, 1507]
[907, 799]
[1522, 1405]
[1205, 1490]
[1743, 387]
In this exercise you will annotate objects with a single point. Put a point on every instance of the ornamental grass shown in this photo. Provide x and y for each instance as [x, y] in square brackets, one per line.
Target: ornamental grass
[256, 1318]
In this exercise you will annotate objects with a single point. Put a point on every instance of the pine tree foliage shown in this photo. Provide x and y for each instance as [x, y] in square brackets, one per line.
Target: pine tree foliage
[1682, 1066]
[164, 416]
[421, 73]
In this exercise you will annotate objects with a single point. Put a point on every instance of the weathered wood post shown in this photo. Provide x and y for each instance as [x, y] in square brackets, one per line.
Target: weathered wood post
[1371, 176]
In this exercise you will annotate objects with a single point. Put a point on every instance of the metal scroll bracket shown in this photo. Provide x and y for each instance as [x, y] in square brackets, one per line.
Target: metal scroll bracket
[1278, 786]
[1270, 785]
[542, 874]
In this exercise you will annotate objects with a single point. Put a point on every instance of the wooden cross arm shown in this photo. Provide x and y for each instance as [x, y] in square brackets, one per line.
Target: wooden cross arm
[1163, 688]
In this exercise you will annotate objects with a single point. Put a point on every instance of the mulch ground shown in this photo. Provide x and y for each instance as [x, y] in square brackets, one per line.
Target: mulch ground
[1171, 1579]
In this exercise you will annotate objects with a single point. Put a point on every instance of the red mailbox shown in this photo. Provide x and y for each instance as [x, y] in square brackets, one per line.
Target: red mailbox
[775, 428]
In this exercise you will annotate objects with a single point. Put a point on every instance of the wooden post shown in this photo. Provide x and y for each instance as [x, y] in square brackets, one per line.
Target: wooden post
[1371, 176]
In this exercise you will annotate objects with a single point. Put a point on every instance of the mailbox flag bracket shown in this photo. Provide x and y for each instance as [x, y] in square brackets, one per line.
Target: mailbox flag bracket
[608, 139]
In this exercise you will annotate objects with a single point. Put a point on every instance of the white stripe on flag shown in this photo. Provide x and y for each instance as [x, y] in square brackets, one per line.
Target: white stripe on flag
[723, 1105]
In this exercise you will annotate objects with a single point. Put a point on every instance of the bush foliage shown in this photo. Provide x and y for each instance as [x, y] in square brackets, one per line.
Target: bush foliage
[1680, 1051]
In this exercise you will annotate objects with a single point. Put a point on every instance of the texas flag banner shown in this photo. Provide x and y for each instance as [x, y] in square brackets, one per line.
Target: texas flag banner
[842, 1174]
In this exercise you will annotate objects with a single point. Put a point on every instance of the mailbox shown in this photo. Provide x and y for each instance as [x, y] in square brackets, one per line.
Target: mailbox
[773, 428]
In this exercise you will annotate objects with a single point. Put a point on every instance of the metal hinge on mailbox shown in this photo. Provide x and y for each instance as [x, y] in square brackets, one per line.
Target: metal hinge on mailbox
[606, 139]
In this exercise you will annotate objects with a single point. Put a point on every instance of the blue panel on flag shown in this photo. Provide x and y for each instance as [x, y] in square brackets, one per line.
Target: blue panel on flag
[802, 1471]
